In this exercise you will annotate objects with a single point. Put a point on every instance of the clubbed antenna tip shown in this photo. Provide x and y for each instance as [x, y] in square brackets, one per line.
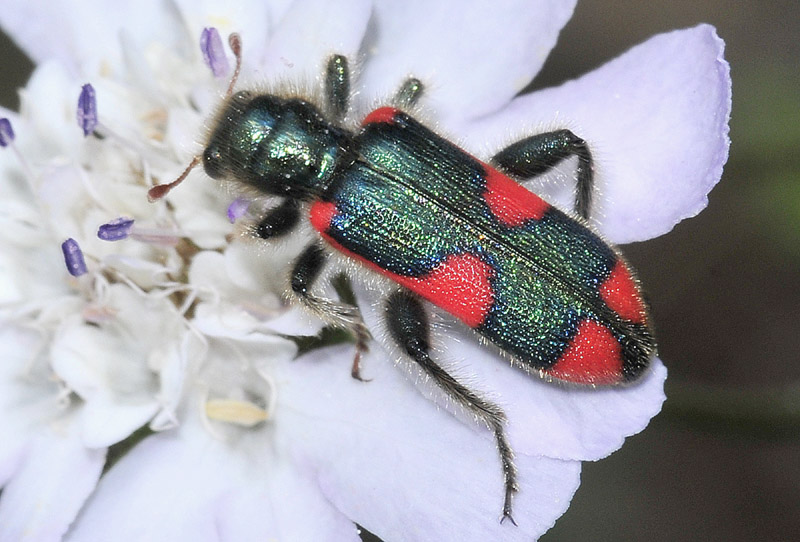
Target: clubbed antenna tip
[161, 190]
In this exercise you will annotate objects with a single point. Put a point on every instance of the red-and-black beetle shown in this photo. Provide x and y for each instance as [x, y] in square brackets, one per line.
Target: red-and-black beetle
[535, 282]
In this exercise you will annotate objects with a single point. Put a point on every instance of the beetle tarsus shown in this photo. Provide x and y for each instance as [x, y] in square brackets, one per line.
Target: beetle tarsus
[355, 370]
[509, 473]
[307, 269]
[408, 324]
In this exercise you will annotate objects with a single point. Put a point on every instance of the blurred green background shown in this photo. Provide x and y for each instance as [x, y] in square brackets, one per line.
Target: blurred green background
[722, 461]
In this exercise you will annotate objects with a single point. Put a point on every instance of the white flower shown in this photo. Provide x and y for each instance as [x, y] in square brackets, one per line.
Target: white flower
[180, 331]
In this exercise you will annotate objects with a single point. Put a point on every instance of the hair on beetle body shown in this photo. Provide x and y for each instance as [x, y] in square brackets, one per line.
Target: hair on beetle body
[392, 197]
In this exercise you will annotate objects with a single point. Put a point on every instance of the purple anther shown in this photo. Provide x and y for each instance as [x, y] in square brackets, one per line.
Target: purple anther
[117, 229]
[73, 257]
[87, 109]
[214, 52]
[6, 132]
[237, 209]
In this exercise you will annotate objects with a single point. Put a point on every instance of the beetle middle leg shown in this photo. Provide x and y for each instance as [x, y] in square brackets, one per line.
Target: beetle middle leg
[408, 324]
[539, 153]
[307, 269]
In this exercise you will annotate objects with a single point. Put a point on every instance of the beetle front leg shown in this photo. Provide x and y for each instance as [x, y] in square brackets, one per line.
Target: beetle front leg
[408, 324]
[337, 86]
[539, 153]
[307, 269]
[279, 220]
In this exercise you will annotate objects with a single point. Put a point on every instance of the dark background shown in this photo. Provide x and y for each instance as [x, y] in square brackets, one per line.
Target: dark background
[722, 461]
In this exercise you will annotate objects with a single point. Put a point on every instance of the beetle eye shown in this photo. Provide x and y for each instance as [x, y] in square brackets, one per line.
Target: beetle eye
[212, 162]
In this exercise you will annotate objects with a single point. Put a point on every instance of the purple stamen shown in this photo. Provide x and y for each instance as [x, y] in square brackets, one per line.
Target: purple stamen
[6, 132]
[116, 230]
[214, 52]
[237, 209]
[73, 257]
[87, 109]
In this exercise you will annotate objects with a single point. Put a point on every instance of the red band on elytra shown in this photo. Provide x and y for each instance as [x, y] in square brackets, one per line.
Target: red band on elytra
[321, 214]
[382, 114]
[461, 285]
[620, 293]
[510, 202]
[593, 356]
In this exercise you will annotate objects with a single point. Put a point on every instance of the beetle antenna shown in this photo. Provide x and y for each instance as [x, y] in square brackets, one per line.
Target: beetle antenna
[235, 43]
[161, 190]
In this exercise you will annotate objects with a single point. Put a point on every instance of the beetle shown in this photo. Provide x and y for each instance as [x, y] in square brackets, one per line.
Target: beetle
[535, 283]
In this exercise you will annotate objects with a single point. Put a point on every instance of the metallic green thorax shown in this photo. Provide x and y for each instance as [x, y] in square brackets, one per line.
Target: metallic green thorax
[280, 146]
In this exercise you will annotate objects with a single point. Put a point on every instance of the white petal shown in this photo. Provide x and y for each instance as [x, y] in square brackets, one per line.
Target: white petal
[556, 420]
[28, 397]
[472, 57]
[309, 33]
[173, 362]
[12, 453]
[192, 487]
[107, 421]
[144, 273]
[292, 497]
[76, 32]
[110, 365]
[550, 419]
[657, 121]
[295, 321]
[92, 361]
[254, 21]
[259, 266]
[48, 104]
[26, 272]
[402, 467]
[242, 289]
[56, 476]
[200, 211]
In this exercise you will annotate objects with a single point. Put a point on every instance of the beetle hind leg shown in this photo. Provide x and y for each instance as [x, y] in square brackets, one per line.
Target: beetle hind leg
[540, 153]
[306, 271]
[408, 324]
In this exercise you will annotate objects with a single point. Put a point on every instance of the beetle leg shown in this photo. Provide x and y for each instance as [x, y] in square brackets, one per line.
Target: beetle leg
[337, 86]
[305, 273]
[408, 324]
[279, 220]
[409, 93]
[539, 153]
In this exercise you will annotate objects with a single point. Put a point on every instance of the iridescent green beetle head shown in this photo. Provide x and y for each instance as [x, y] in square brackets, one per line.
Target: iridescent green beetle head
[278, 146]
